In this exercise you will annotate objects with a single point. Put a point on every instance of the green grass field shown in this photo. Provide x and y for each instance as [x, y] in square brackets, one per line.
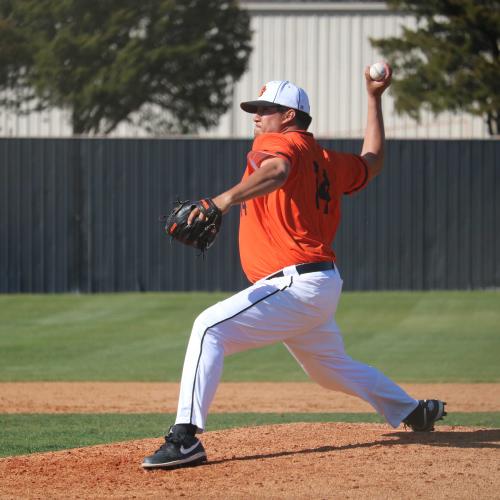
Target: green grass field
[411, 336]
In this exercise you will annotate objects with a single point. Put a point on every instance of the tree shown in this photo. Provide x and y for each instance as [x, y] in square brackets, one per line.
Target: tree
[450, 62]
[172, 62]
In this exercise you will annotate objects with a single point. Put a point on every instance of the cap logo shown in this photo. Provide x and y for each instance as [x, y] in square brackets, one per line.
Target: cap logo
[262, 90]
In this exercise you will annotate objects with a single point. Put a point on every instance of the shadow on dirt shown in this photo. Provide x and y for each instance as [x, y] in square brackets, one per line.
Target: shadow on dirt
[485, 438]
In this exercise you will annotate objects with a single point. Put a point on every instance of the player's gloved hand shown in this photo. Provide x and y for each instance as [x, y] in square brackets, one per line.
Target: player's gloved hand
[202, 231]
[222, 202]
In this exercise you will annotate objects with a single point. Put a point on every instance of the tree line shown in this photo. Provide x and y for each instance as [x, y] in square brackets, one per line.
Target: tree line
[171, 65]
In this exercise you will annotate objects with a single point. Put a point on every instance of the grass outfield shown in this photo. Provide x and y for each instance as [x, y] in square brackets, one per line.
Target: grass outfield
[23, 434]
[411, 336]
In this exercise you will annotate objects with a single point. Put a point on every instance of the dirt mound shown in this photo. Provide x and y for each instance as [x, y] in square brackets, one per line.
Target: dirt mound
[281, 461]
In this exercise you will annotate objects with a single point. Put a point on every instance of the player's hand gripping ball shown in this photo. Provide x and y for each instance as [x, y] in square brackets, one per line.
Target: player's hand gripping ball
[201, 233]
[377, 71]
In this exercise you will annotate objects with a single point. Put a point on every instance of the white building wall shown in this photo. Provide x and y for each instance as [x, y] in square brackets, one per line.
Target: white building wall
[322, 47]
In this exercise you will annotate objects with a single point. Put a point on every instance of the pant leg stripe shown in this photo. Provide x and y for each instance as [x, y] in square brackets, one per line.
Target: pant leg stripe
[203, 338]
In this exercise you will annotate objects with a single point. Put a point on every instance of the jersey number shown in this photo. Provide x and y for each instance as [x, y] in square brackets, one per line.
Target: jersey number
[322, 187]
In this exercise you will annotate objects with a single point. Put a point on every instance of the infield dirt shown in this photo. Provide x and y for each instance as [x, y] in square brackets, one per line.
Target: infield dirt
[320, 460]
[142, 397]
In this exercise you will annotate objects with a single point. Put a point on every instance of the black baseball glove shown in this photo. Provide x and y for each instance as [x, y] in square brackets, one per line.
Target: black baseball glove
[201, 233]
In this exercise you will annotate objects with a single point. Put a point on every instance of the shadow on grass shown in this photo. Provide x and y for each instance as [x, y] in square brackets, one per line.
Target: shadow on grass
[489, 438]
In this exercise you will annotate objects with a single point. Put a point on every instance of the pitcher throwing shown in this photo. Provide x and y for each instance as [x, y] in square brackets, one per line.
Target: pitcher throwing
[289, 201]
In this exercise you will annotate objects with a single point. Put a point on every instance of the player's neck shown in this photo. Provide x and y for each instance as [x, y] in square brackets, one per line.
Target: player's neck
[289, 128]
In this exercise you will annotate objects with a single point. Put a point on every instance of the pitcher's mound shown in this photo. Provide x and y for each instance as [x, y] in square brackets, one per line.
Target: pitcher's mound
[281, 461]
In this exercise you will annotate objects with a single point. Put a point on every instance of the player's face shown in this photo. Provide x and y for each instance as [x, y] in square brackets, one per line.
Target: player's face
[267, 119]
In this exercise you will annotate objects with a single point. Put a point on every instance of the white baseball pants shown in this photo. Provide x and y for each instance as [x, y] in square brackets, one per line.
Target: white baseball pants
[297, 310]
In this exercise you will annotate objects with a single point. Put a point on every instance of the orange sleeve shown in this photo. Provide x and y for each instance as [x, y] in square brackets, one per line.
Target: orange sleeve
[352, 172]
[268, 146]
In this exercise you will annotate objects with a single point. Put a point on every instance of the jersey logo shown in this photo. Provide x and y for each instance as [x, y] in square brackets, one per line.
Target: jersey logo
[322, 188]
[243, 208]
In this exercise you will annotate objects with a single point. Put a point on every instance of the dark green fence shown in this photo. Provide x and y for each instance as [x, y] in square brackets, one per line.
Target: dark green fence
[82, 215]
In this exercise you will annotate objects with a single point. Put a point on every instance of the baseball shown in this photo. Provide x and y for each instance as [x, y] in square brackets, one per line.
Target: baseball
[377, 71]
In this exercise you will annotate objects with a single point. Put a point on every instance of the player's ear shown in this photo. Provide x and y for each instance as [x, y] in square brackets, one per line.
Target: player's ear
[289, 116]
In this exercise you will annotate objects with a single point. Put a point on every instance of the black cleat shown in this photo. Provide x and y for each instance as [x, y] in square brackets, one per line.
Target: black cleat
[423, 417]
[179, 450]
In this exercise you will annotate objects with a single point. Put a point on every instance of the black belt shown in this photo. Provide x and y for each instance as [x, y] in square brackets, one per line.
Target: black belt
[306, 268]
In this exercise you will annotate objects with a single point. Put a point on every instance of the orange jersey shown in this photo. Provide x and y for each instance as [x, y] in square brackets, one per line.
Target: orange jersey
[296, 223]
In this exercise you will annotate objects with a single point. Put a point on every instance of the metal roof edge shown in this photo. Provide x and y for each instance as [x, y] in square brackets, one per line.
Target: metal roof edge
[317, 7]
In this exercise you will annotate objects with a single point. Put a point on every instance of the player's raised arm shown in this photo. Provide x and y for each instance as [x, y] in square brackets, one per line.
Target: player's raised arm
[373, 144]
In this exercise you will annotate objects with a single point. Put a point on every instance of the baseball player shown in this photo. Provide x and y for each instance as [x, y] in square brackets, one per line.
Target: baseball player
[289, 199]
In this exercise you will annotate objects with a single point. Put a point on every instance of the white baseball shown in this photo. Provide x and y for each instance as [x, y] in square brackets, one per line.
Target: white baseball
[377, 71]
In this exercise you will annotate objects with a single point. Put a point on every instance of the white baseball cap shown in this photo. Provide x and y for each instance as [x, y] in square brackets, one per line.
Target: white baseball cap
[282, 93]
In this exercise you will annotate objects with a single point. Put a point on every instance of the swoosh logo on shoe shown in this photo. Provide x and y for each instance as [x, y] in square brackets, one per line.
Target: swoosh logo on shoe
[185, 451]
